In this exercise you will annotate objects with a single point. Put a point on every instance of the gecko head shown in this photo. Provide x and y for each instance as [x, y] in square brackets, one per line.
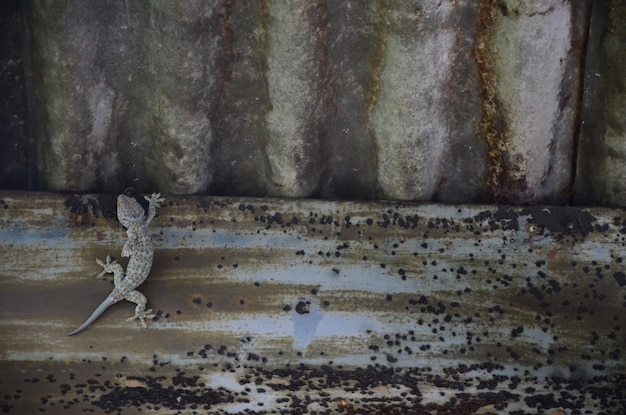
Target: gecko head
[129, 211]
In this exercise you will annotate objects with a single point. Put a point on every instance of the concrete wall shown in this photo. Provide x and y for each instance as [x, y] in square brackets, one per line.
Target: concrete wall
[13, 111]
[454, 101]
[601, 177]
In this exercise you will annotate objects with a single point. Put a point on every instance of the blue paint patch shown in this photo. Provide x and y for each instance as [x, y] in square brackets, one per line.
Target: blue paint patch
[306, 316]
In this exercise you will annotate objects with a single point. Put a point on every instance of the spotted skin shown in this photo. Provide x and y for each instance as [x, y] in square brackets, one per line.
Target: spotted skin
[139, 248]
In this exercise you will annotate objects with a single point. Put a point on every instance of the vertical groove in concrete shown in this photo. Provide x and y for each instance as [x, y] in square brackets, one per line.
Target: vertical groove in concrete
[14, 160]
[493, 124]
[601, 175]
[240, 101]
[348, 150]
[168, 141]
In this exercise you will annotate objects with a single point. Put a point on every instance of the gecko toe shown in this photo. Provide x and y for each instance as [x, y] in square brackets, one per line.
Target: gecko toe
[142, 316]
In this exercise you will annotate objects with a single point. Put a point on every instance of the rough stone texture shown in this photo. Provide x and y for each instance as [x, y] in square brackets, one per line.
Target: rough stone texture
[120, 92]
[423, 106]
[601, 175]
[292, 78]
[240, 165]
[349, 150]
[72, 104]
[414, 100]
[409, 103]
[14, 167]
[530, 58]
[168, 139]
[538, 51]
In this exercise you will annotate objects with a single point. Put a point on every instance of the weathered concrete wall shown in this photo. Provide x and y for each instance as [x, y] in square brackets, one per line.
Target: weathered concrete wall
[413, 97]
[601, 175]
[14, 161]
[415, 100]
[537, 51]
[121, 93]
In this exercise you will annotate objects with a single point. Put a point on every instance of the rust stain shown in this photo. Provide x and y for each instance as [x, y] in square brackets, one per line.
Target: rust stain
[493, 126]
[445, 299]
[240, 88]
[226, 62]
[318, 13]
[553, 253]
[378, 58]
[227, 46]
[266, 22]
[377, 66]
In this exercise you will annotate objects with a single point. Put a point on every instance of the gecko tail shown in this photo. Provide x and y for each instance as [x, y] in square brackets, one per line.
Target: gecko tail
[101, 308]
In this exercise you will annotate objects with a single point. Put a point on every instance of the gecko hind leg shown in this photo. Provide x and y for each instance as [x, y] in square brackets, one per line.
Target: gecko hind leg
[111, 267]
[141, 313]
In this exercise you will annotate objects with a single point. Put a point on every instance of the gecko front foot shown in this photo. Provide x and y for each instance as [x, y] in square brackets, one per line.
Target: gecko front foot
[155, 199]
[142, 316]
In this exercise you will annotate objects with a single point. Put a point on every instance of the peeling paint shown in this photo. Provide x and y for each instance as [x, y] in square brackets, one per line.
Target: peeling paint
[306, 317]
[318, 306]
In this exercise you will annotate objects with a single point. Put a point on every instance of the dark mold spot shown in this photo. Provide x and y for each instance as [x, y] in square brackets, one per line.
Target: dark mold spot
[620, 278]
[302, 307]
[561, 219]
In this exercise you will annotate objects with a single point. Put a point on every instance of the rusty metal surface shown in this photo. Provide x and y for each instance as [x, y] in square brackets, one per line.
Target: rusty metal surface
[312, 306]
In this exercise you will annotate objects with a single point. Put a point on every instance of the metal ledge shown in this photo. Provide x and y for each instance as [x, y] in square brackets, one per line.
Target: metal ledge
[315, 306]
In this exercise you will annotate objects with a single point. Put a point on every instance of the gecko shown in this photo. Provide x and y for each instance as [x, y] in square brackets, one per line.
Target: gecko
[139, 248]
